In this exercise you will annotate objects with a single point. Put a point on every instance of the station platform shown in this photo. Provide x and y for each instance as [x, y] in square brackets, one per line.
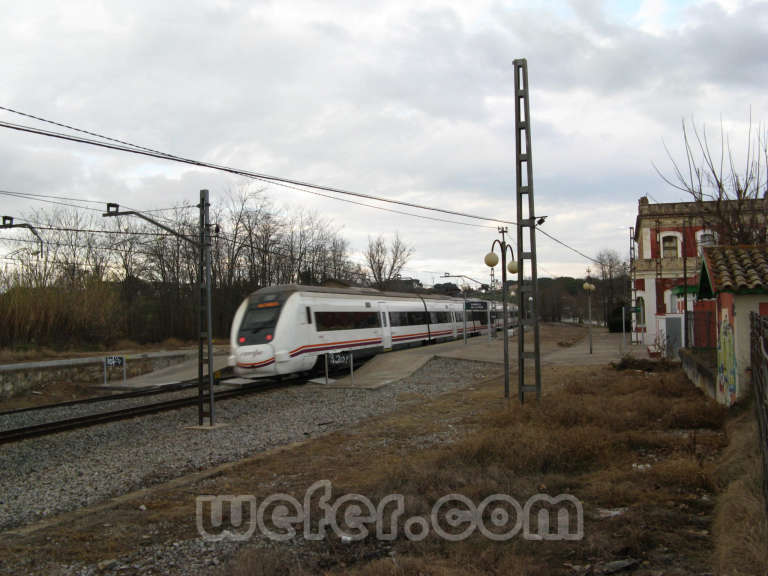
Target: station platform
[571, 350]
[181, 372]
[563, 345]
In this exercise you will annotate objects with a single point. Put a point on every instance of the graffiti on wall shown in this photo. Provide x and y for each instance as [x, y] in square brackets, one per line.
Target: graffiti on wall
[726, 362]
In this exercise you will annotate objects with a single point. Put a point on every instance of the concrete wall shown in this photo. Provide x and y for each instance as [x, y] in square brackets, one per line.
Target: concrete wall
[728, 381]
[727, 384]
[698, 371]
[733, 344]
[743, 306]
[18, 378]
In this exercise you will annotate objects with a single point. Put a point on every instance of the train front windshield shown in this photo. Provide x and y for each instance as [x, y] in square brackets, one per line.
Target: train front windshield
[258, 325]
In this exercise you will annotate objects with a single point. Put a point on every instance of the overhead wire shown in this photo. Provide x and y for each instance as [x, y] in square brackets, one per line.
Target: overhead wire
[241, 172]
[433, 218]
[579, 252]
[29, 197]
[96, 231]
[122, 145]
[42, 197]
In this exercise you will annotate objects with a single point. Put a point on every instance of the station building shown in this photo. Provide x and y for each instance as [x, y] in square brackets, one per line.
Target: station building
[666, 259]
[666, 256]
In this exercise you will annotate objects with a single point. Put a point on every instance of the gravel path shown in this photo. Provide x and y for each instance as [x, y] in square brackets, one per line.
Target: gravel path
[49, 475]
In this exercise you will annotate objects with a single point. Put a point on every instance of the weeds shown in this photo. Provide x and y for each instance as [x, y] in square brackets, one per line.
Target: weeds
[740, 526]
[629, 362]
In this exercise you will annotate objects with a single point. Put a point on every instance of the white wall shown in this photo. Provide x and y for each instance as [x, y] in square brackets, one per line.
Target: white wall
[742, 307]
[646, 243]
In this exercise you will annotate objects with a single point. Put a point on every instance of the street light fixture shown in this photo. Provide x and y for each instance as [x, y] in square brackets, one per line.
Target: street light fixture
[589, 288]
[491, 259]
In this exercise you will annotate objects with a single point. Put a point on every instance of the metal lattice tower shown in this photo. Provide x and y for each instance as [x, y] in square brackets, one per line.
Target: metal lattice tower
[205, 404]
[659, 271]
[633, 317]
[527, 294]
[205, 328]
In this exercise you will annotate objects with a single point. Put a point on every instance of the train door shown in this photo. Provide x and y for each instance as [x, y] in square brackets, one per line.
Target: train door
[454, 323]
[386, 329]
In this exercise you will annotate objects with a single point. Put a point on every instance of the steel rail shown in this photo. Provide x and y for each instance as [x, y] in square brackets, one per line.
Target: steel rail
[48, 428]
[155, 390]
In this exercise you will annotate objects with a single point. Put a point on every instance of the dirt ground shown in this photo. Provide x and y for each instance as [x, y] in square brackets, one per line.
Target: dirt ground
[638, 449]
[659, 470]
[52, 393]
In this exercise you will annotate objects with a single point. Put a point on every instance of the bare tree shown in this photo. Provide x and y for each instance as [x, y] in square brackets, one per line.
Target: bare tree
[733, 200]
[128, 244]
[130, 279]
[614, 278]
[386, 263]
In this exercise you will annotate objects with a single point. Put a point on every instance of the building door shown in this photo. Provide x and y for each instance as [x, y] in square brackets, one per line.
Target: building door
[674, 325]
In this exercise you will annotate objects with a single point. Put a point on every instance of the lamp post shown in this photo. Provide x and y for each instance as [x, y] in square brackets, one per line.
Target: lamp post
[589, 288]
[491, 259]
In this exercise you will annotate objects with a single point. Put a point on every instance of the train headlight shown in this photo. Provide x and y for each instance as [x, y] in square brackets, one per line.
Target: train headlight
[269, 337]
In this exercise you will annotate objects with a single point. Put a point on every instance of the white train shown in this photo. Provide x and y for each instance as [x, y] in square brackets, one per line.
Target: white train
[286, 329]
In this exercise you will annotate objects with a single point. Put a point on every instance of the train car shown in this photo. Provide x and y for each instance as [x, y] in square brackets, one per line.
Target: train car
[285, 329]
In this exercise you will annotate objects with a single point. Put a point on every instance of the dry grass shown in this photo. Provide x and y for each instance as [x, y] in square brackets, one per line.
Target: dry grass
[268, 562]
[647, 443]
[582, 439]
[629, 362]
[55, 317]
[740, 527]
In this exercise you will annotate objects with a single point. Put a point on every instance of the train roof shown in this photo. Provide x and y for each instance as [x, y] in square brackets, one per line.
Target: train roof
[370, 292]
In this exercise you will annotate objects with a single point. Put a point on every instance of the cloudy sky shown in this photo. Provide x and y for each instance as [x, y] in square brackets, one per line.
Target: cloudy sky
[405, 100]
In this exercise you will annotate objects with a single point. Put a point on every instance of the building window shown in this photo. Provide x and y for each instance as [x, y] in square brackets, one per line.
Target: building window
[705, 238]
[669, 247]
[640, 318]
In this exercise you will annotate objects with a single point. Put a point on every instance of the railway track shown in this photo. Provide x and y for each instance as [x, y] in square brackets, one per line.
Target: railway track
[47, 428]
[165, 389]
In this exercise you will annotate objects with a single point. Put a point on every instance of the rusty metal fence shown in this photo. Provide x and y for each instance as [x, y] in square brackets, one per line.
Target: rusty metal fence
[759, 340]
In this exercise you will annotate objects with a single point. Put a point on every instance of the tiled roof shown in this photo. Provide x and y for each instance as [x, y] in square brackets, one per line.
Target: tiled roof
[737, 268]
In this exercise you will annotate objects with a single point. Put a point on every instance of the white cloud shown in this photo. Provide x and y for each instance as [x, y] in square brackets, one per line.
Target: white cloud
[650, 16]
[402, 100]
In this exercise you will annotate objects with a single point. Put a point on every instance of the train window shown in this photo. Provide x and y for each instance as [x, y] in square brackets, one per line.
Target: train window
[346, 320]
[258, 324]
[439, 317]
[407, 318]
[398, 318]
[309, 316]
[417, 318]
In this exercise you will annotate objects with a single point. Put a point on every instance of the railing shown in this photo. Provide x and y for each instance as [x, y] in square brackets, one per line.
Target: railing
[759, 341]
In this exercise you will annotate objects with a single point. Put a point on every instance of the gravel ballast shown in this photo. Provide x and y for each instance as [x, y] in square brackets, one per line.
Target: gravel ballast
[42, 415]
[49, 475]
